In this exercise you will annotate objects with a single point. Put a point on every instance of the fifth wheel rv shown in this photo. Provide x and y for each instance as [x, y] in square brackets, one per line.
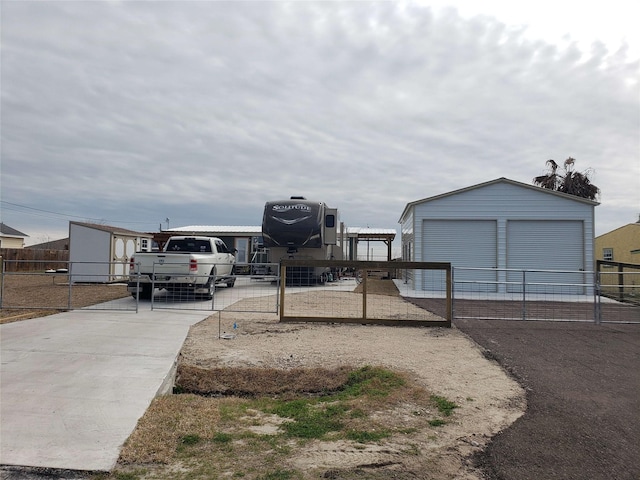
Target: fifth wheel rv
[301, 229]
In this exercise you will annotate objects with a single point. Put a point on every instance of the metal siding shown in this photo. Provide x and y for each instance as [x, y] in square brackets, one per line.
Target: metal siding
[546, 245]
[464, 243]
[501, 202]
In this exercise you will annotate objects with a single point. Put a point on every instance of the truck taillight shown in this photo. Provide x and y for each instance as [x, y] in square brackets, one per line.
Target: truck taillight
[193, 265]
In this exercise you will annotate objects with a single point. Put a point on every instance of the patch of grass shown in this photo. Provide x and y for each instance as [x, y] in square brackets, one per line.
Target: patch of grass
[222, 437]
[372, 381]
[190, 439]
[362, 436]
[444, 406]
[280, 475]
[437, 422]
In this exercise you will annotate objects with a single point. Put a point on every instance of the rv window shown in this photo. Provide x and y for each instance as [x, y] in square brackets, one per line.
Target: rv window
[330, 221]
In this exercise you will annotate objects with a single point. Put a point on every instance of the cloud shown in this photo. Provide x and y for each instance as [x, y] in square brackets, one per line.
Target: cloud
[127, 110]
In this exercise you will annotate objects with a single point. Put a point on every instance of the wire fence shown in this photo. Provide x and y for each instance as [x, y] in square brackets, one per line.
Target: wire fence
[64, 288]
[354, 292]
[250, 288]
[546, 295]
[330, 291]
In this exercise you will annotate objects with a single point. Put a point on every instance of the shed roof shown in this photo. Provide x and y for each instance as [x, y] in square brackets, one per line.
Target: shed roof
[8, 231]
[111, 229]
[493, 182]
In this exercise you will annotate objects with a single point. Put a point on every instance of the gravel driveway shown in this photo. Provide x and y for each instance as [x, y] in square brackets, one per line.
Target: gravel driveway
[583, 392]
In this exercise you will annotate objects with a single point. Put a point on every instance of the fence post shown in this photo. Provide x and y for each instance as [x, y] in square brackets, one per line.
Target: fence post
[597, 309]
[283, 281]
[524, 295]
[620, 283]
[1, 280]
[449, 295]
[69, 273]
[364, 293]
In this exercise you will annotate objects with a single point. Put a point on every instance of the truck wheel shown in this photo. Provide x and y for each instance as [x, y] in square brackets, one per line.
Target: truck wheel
[211, 284]
[232, 281]
[146, 291]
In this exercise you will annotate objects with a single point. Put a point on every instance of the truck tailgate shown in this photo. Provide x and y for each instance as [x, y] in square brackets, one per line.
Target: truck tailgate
[170, 263]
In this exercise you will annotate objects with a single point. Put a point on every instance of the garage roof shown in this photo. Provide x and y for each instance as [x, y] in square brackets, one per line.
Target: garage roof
[498, 180]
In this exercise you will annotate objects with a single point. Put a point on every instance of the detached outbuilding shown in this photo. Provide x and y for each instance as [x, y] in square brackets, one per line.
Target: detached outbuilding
[499, 231]
[100, 253]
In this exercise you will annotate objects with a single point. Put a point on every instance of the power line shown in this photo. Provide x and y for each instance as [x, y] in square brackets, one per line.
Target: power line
[45, 213]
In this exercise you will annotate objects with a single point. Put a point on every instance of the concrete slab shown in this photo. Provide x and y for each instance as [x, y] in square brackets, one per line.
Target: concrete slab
[73, 385]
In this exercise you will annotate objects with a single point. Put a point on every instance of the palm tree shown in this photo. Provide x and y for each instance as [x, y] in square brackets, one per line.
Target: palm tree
[571, 182]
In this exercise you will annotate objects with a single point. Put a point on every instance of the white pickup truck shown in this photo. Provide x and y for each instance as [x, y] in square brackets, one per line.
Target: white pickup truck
[187, 265]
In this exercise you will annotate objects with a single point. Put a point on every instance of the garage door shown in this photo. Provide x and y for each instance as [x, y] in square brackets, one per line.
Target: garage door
[554, 246]
[467, 244]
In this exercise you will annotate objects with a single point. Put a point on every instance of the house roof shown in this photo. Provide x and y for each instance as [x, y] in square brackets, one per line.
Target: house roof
[110, 229]
[629, 226]
[7, 231]
[216, 229]
[61, 244]
[493, 182]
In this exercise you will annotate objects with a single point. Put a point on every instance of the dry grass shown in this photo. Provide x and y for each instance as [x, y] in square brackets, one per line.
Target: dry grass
[259, 381]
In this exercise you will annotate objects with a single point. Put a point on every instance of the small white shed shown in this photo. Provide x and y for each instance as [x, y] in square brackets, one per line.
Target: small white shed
[100, 253]
[501, 228]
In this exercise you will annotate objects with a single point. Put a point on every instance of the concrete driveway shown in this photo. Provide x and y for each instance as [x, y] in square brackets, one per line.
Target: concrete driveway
[73, 385]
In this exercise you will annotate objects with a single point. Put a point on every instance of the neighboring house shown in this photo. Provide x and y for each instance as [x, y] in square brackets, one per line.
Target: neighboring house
[10, 237]
[101, 253]
[620, 245]
[502, 227]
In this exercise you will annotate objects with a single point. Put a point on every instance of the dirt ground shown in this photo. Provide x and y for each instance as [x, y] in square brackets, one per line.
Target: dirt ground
[444, 361]
[37, 295]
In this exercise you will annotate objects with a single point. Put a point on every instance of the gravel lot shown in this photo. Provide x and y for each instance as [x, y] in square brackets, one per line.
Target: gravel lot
[583, 399]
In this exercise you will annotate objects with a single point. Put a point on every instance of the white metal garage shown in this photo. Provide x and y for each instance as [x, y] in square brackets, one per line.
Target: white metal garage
[495, 232]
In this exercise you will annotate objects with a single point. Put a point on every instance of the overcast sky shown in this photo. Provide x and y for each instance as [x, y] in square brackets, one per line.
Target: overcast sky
[129, 113]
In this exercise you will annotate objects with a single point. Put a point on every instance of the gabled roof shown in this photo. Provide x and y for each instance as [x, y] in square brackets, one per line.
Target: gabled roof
[493, 182]
[110, 229]
[7, 231]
